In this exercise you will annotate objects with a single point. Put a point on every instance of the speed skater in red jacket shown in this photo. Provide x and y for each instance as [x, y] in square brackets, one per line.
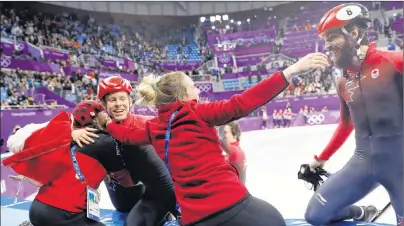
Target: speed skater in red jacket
[371, 95]
[207, 188]
[42, 154]
[142, 162]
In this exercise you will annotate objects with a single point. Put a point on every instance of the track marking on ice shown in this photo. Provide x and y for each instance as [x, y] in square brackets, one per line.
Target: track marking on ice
[17, 203]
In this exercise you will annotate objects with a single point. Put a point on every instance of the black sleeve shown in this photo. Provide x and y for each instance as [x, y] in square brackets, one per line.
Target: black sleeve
[107, 151]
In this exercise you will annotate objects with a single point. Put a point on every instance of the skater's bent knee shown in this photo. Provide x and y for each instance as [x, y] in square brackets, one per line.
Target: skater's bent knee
[314, 217]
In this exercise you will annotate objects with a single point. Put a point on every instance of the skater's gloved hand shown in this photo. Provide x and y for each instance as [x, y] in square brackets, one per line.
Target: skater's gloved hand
[84, 136]
[315, 164]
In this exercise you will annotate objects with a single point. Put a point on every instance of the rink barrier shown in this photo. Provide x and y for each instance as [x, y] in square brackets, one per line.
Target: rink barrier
[10, 118]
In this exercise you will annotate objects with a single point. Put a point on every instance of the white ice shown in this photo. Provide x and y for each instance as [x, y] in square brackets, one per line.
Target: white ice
[274, 157]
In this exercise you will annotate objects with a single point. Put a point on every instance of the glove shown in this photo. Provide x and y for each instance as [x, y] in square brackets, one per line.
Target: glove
[316, 163]
[315, 179]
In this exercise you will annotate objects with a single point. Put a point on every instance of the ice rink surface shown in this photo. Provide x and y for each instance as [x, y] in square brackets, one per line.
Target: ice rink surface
[274, 158]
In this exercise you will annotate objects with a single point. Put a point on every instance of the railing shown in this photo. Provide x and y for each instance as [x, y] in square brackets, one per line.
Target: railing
[274, 57]
[255, 55]
[207, 66]
[54, 49]
[89, 60]
[173, 61]
[30, 107]
[6, 40]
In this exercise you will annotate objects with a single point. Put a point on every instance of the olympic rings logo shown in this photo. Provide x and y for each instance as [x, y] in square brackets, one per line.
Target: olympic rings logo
[5, 62]
[19, 46]
[315, 119]
[204, 87]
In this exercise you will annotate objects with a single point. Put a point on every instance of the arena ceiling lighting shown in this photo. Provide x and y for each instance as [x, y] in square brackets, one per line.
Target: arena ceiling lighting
[231, 21]
[218, 17]
[202, 19]
[225, 17]
[212, 18]
[238, 22]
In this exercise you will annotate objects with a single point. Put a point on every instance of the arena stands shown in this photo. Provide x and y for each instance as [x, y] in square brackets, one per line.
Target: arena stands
[67, 54]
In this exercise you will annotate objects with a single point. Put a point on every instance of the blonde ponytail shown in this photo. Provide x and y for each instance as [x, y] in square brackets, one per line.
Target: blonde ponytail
[147, 90]
[158, 91]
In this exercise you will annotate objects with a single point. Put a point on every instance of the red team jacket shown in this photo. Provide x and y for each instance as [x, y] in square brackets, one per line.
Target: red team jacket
[204, 182]
[46, 159]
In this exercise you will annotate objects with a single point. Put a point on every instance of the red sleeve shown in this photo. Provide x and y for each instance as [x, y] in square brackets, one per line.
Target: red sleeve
[129, 135]
[140, 120]
[220, 112]
[396, 58]
[341, 134]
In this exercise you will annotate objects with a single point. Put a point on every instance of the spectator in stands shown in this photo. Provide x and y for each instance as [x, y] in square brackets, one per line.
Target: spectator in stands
[305, 113]
[275, 120]
[281, 122]
[265, 118]
[287, 117]
[288, 106]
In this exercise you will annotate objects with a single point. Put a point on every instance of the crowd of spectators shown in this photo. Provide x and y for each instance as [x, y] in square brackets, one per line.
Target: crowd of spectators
[317, 82]
[14, 87]
[17, 87]
[80, 36]
[143, 42]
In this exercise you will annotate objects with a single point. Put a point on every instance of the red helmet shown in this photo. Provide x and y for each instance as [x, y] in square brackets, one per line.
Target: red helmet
[85, 112]
[342, 15]
[113, 84]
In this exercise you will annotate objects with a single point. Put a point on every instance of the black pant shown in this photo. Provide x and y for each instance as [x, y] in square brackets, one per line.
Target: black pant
[124, 199]
[144, 208]
[145, 165]
[41, 214]
[149, 211]
[376, 161]
[249, 211]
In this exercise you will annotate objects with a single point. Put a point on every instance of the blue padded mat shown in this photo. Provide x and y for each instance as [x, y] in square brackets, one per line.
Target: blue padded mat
[12, 215]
